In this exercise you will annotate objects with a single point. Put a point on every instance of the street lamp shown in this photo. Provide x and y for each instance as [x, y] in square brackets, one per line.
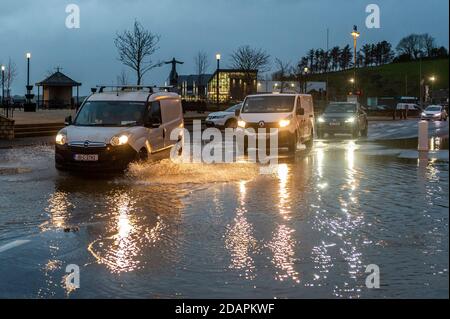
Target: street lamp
[28, 68]
[217, 78]
[29, 107]
[355, 34]
[432, 80]
[305, 72]
[3, 85]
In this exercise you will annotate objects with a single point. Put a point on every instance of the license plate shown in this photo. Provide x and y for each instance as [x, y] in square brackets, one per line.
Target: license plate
[335, 124]
[86, 157]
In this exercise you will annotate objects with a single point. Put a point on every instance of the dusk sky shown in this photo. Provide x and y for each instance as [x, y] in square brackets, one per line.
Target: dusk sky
[284, 28]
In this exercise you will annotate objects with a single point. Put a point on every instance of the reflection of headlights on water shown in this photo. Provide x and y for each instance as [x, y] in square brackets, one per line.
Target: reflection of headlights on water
[61, 138]
[241, 123]
[321, 120]
[119, 140]
[350, 120]
[284, 123]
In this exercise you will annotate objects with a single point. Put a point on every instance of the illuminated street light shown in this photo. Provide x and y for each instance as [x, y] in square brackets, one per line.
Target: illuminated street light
[352, 80]
[217, 78]
[355, 34]
[3, 85]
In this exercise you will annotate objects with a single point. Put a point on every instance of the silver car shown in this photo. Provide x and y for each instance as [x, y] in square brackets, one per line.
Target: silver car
[434, 113]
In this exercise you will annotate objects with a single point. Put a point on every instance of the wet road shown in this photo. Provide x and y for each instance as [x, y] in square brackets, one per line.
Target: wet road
[226, 231]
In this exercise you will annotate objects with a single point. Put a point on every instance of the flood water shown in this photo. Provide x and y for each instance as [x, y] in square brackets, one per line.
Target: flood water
[168, 230]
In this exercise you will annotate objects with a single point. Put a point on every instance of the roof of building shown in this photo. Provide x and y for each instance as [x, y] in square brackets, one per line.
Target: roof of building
[190, 79]
[58, 79]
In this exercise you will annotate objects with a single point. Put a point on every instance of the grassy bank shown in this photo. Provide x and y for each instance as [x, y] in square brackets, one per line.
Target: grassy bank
[396, 79]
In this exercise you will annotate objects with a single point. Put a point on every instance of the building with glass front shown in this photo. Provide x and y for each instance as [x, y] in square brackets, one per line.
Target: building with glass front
[234, 85]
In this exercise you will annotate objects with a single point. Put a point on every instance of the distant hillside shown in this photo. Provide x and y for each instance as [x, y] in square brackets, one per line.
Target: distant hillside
[396, 79]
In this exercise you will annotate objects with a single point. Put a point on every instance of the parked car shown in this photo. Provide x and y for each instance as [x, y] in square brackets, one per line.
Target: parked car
[434, 112]
[223, 119]
[291, 114]
[112, 129]
[343, 118]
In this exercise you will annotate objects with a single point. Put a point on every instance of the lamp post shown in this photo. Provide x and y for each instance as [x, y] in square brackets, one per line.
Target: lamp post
[432, 80]
[28, 68]
[355, 34]
[29, 107]
[3, 85]
[217, 78]
[305, 72]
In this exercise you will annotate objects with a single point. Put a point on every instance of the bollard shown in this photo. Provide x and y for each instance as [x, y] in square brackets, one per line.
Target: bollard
[423, 136]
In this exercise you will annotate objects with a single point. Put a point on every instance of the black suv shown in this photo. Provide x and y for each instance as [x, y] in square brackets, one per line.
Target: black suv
[343, 118]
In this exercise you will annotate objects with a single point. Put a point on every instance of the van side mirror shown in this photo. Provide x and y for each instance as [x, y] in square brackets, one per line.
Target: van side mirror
[237, 112]
[152, 122]
[68, 120]
[300, 111]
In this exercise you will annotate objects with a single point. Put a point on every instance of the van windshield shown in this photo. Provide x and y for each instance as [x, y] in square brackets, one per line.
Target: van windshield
[269, 104]
[111, 113]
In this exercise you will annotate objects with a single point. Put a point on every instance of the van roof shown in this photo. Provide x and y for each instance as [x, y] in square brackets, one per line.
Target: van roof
[131, 96]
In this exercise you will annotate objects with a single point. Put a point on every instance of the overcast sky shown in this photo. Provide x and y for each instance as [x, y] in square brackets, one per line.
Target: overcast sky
[284, 28]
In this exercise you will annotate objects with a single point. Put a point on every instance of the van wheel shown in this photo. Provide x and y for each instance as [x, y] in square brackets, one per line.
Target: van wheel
[309, 142]
[292, 147]
[231, 123]
[142, 155]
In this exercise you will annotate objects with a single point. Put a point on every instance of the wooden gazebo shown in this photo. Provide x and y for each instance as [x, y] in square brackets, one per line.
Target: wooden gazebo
[57, 91]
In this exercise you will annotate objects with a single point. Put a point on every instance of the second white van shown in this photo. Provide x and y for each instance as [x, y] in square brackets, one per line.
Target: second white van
[291, 114]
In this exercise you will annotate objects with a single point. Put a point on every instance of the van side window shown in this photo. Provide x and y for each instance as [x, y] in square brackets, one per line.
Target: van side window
[155, 111]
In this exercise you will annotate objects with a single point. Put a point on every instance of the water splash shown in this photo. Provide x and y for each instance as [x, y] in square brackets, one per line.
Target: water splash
[168, 172]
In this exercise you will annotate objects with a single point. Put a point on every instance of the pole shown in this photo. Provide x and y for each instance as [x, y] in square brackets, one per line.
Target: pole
[328, 56]
[3, 87]
[420, 82]
[28, 71]
[217, 82]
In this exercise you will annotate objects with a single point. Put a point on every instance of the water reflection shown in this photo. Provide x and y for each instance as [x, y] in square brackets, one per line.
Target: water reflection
[283, 242]
[58, 209]
[120, 251]
[239, 238]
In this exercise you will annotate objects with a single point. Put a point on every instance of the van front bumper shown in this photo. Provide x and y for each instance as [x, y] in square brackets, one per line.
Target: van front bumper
[110, 158]
[284, 136]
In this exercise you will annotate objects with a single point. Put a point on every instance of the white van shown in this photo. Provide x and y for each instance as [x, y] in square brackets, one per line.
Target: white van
[292, 114]
[113, 128]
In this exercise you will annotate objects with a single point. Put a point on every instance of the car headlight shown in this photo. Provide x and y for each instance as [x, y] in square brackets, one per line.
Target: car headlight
[119, 140]
[423, 114]
[436, 115]
[350, 120]
[61, 138]
[284, 123]
[241, 123]
[321, 120]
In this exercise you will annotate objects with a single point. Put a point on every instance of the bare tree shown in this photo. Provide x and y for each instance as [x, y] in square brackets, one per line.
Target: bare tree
[122, 78]
[10, 76]
[428, 43]
[201, 64]
[249, 60]
[411, 45]
[135, 48]
[283, 71]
